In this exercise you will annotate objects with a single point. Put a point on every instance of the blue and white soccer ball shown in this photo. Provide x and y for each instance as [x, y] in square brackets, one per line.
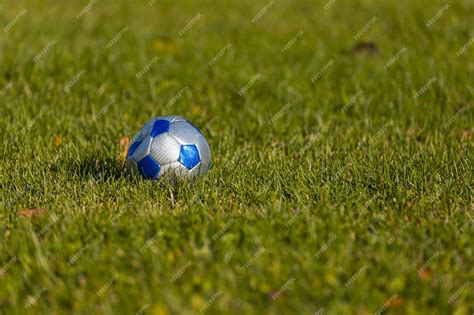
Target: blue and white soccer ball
[169, 145]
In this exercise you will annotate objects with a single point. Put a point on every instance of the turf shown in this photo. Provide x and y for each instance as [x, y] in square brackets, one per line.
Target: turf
[342, 157]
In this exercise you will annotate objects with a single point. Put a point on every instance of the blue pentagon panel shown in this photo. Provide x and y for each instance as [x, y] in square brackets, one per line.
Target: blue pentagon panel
[189, 156]
[148, 168]
[132, 148]
[159, 127]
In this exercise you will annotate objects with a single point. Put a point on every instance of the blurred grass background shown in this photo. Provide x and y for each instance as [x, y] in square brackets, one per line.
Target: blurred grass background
[311, 183]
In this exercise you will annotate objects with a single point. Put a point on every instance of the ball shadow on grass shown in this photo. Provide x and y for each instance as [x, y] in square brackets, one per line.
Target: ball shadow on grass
[92, 165]
[99, 166]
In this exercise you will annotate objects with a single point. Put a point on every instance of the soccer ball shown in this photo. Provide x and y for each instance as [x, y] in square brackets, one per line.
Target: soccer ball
[168, 145]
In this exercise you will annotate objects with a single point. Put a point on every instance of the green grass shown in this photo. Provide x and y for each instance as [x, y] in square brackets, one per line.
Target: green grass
[355, 195]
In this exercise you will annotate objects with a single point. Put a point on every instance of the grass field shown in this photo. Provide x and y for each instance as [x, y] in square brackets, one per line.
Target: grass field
[342, 157]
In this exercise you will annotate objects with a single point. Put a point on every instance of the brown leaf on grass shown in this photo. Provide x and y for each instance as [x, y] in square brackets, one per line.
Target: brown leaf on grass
[82, 280]
[425, 274]
[124, 142]
[466, 135]
[368, 48]
[5, 301]
[397, 301]
[28, 213]
[57, 140]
